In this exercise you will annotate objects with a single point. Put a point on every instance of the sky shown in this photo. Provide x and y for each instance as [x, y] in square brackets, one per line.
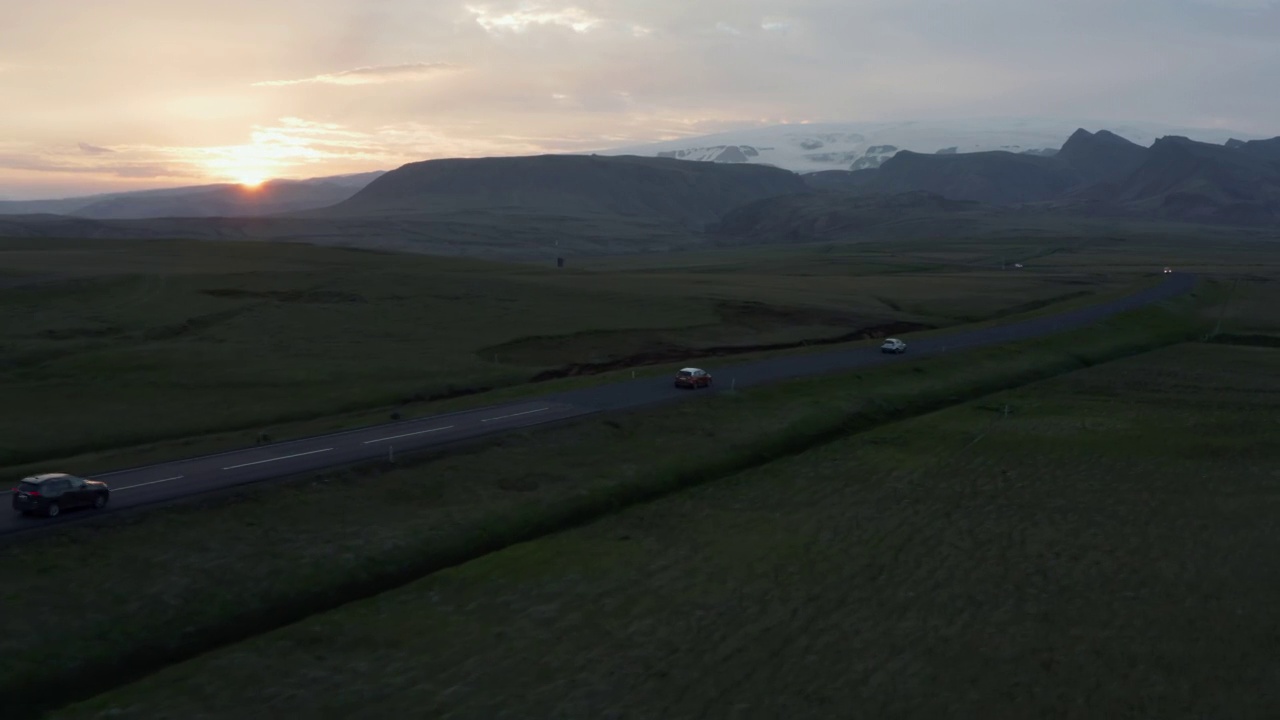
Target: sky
[130, 94]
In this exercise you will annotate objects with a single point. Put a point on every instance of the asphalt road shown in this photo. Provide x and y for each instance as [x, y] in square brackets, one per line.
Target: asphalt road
[181, 478]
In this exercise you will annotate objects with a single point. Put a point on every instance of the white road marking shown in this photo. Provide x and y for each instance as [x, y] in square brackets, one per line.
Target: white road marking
[153, 482]
[283, 443]
[283, 457]
[526, 412]
[397, 437]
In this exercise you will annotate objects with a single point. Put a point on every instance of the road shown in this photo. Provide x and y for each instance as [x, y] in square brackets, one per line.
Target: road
[181, 478]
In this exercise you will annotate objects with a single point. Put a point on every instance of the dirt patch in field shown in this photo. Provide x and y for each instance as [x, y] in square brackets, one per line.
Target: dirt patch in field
[525, 483]
[676, 353]
[1255, 340]
[291, 296]
[1043, 303]
[759, 315]
[743, 327]
[82, 333]
[191, 325]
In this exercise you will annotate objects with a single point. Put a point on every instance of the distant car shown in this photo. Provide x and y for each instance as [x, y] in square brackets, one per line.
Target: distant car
[893, 345]
[693, 378]
[1168, 270]
[51, 493]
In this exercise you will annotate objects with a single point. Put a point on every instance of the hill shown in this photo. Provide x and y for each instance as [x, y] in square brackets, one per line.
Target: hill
[1103, 157]
[218, 200]
[683, 193]
[1262, 149]
[840, 216]
[840, 179]
[989, 177]
[1186, 180]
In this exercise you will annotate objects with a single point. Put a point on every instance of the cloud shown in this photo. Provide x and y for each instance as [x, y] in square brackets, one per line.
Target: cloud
[368, 75]
[67, 162]
[1241, 4]
[518, 21]
[294, 147]
[561, 75]
[289, 148]
[94, 149]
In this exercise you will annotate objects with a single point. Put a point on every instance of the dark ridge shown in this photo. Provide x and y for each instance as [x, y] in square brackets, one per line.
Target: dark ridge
[1101, 157]
[998, 177]
[680, 354]
[684, 192]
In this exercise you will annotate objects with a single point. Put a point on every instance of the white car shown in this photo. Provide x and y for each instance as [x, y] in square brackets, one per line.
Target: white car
[893, 345]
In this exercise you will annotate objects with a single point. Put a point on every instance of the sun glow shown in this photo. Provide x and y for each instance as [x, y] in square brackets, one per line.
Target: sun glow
[268, 156]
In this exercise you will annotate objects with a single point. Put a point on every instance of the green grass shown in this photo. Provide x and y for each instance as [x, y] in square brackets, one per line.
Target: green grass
[155, 586]
[131, 343]
[1104, 549]
[168, 406]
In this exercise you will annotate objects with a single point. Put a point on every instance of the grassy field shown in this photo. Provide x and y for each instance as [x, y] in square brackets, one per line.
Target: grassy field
[143, 589]
[94, 461]
[111, 344]
[1105, 548]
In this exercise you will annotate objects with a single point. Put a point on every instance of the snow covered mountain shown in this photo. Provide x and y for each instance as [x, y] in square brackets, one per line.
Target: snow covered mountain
[856, 146]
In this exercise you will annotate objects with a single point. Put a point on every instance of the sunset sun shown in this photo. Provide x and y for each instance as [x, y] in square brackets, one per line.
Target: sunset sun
[251, 179]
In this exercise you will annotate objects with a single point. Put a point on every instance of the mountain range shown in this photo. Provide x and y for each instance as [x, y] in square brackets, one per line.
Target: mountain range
[801, 148]
[1236, 183]
[511, 207]
[808, 148]
[550, 205]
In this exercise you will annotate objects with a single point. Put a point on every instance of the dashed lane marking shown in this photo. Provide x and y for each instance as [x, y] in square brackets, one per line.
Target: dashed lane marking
[275, 459]
[153, 482]
[397, 437]
[504, 417]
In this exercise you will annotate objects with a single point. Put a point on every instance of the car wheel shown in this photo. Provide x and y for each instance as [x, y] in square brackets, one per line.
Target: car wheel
[53, 510]
[100, 501]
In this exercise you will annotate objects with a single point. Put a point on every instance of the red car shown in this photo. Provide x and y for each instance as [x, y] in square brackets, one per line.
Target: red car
[693, 378]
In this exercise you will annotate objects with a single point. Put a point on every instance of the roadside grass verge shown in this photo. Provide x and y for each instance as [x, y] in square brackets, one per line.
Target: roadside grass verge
[131, 343]
[1107, 548]
[146, 589]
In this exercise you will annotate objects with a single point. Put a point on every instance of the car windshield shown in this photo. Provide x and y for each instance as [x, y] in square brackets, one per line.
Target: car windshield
[684, 373]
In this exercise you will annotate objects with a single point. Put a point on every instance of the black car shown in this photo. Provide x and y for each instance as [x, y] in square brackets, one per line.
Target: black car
[51, 493]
